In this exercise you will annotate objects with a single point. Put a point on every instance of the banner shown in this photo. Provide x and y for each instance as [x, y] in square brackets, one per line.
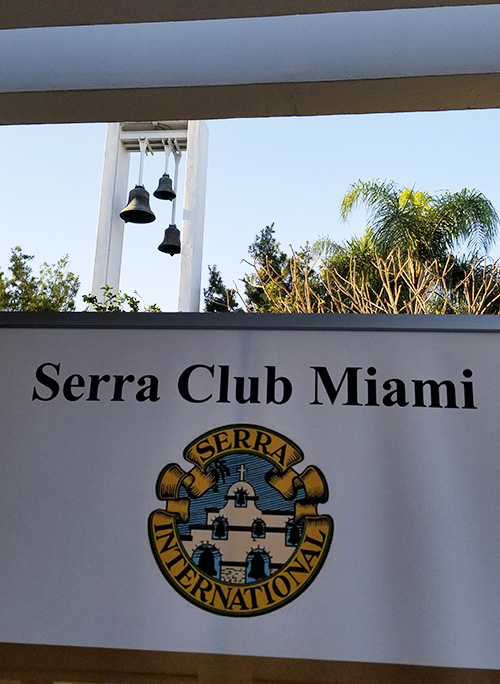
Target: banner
[309, 487]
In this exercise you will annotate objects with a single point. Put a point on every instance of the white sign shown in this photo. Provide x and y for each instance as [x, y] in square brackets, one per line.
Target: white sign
[312, 493]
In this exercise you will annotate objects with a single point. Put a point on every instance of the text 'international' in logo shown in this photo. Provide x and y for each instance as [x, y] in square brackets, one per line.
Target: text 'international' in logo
[240, 534]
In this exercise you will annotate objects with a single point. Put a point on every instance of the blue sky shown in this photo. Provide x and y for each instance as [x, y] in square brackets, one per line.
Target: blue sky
[290, 171]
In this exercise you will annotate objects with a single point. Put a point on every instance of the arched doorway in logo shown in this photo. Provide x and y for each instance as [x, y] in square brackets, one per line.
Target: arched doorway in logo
[258, 565]
[207, 558]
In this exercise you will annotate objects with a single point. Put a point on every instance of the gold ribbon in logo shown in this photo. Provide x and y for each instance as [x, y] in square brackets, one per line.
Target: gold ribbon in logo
[237, 594]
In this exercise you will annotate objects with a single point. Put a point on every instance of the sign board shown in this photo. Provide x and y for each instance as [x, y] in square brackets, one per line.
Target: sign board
[319, 487]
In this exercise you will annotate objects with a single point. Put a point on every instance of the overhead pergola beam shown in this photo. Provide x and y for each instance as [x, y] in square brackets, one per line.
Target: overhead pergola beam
[430, 93]
[257, 60]
[31, 13]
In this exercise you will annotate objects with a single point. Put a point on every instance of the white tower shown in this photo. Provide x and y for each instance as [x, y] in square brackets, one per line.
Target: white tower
[122, 139]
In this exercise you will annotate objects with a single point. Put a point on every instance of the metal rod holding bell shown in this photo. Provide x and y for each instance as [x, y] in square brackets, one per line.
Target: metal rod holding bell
[172, 239]
[165, 191]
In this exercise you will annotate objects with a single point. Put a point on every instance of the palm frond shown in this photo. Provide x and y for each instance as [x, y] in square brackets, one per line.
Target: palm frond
[466, 217]
[372, 193]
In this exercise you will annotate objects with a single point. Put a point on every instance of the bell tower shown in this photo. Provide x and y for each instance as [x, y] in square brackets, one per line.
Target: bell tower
[122, 139]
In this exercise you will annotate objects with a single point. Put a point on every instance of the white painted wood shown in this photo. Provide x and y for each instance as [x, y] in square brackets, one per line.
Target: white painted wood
[109, 242]
[114, 185]
[193, 217]
[288, 49]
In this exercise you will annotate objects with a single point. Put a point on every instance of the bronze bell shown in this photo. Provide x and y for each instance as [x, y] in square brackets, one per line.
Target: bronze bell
[137, 209]
[164, 191]
[172, 241]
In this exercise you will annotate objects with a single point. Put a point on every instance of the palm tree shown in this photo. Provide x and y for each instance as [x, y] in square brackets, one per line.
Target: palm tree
[219, 470]
[427, 227]
[411, 243]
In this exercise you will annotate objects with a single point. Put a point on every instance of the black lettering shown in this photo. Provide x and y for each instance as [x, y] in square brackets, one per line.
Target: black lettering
[279, 454]
[185, 573]
[73, 381]
[352, 385]
[224, 597]
[173, 561]
[95, 381]
[253, 396]
[269, 598]
[308, 555]
[198, 587]
[221, 441]
[298, 568]
[205, 451]
[399, 392]
[223, 385]
[241, 436]
[253, 595]
[183, 383]
[46, 381]
[434, 388]
[262, 441]
[120, 380]
[238, 600]
[272, 380]
[150, 391]
[371, 388]
[316, 542]
[169, 535]
[468, 390]
[281, 591]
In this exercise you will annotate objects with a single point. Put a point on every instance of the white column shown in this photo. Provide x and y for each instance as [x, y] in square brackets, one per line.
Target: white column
[193, 217]
[109, 242]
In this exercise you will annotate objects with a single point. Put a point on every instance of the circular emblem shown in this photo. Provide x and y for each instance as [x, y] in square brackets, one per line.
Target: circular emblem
[240, 534]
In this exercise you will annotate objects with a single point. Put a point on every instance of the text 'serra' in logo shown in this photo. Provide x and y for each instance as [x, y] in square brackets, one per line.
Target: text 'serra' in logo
[240, 534]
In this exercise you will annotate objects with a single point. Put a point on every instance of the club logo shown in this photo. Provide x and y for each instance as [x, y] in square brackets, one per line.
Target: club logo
[240, 534]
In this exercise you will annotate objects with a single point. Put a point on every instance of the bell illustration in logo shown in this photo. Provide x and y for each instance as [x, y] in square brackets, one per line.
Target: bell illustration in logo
[240, 534]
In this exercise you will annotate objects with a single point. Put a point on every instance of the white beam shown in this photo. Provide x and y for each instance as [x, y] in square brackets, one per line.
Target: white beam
[109, 242]
[193, 217]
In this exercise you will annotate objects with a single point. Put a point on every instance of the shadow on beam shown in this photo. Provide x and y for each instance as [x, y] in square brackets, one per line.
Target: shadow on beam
[426, 93]
[30, 13]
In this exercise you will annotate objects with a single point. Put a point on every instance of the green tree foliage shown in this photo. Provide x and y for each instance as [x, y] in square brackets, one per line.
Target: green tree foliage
[275, 276]
[406, 261]
[270, 262]
[218, 298]
[117, 301]
[426, 231]
[54, 289]
[425, 226]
